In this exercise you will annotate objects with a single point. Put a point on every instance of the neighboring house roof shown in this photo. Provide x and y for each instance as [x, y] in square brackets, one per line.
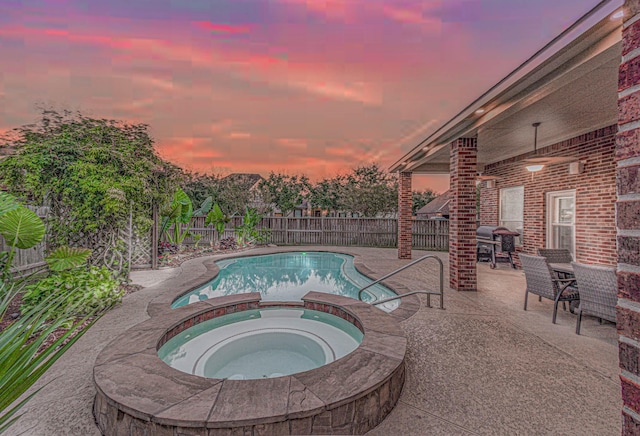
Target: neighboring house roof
[440, 204]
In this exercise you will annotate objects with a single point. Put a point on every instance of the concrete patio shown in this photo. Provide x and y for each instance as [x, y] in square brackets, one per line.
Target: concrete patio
[481, 366]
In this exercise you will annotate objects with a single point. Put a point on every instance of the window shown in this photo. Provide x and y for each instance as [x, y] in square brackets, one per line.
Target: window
[561, 212]
[512, 210]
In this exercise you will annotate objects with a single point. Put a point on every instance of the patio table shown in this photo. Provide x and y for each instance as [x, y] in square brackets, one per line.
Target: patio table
[563, 268]
[565, 271]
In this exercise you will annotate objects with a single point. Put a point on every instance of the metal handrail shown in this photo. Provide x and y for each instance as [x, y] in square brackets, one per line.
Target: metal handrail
[402, 268]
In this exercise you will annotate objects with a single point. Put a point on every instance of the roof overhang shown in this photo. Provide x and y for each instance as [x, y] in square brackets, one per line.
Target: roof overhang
[570, 86]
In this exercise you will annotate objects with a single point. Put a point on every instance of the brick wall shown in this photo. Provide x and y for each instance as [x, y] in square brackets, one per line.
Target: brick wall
[595, 194]
[462, 210]
[405, 202]
[627, 156]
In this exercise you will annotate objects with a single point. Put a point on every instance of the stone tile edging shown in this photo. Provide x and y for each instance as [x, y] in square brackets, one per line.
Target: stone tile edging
[138, 392]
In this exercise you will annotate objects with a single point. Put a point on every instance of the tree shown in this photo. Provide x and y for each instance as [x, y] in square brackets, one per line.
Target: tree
[232, 194]
[92, 173]
[370, 191]
[327, 193]
[284, 192]
[421, 198]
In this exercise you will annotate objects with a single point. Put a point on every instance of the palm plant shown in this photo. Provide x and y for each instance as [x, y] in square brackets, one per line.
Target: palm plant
[23, 359]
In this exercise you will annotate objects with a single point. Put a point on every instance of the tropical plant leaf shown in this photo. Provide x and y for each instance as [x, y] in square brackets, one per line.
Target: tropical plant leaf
[21, 228]
[183, 208]
[204, 208]
[7, 203]
[64, 258]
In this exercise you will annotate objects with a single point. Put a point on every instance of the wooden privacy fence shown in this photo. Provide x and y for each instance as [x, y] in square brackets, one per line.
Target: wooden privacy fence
[360, 232]
[25, 261]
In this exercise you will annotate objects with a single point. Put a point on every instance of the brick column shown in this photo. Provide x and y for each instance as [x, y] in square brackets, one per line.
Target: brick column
[462, 211]
[628, 218]
[405, 217]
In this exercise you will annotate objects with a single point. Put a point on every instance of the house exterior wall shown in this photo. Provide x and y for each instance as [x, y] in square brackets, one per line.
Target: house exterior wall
[595, 187]
[628, 218]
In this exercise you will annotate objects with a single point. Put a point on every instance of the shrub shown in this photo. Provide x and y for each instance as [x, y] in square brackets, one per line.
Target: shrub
[85, 290]
[229, 243]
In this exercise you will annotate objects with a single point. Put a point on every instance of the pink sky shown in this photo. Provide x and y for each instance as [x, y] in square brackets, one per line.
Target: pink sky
[312, 87]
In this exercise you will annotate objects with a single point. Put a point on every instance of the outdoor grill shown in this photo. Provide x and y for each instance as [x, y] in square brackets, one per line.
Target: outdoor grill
[495, 244]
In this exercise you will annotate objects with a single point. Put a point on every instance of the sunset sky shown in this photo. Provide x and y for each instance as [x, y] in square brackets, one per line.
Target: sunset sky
[311, 87]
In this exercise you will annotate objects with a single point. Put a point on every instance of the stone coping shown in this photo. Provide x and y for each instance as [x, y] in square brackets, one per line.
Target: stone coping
[137, 391]
[194, 278]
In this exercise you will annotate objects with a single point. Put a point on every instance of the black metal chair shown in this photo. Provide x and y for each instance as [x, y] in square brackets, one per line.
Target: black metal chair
[598, 286]
[540, 281]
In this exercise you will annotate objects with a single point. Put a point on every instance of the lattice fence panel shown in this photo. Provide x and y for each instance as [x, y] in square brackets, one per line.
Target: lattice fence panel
[141, 248]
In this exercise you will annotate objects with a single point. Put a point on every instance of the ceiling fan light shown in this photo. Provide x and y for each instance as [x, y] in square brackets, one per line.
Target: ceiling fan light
[534, 168]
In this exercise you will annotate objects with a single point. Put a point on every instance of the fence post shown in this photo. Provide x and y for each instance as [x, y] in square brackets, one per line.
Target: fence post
[286, 230]
[154, 238]
[322, 237]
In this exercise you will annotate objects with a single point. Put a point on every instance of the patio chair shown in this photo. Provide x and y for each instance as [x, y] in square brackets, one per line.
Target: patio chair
[540, 281]
[555, 255]
[598, 287]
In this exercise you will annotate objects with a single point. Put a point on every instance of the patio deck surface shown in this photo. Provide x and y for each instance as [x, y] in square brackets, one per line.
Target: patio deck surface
[481, 366]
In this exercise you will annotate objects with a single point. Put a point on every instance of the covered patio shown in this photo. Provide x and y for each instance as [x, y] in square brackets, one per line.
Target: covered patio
[539, 148]
[554, 149]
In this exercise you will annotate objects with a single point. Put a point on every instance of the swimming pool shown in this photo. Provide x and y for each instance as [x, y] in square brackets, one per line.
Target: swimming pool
[289, 276]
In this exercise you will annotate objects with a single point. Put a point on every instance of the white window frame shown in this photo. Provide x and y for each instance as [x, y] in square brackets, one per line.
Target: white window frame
[518, 240]
[551, 199]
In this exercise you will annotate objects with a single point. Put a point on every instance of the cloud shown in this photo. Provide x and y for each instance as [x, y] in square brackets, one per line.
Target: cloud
[341, 9]
[231, 29]
[239, 135]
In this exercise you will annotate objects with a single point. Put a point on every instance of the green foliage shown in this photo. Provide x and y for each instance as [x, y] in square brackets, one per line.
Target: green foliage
[82, 291]
[20, 227]
[7, 203]
[327, 193]
[284, 192]
[179, 212]
[248, 232]
[63, 258]
[91, 172]
[22, 361]
[204, 208]
[218, 219]
[370, 191]
[420, 199]
[233, 194]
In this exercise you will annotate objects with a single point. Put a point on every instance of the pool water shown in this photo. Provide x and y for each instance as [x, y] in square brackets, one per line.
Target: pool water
[261, 343]
[288, 277]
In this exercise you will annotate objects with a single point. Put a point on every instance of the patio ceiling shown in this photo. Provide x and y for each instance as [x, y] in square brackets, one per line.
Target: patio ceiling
[571, 92]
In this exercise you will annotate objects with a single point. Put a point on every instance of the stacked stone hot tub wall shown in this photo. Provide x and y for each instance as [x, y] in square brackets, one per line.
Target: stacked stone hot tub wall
[137, 393]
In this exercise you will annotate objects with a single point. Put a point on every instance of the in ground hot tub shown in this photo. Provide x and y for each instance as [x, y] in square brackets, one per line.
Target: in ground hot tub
[261, 343]
[243, 388]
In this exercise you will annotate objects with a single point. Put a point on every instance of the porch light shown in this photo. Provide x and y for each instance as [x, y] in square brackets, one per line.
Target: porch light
[617, 14]
[534, 168]
[480, 111]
